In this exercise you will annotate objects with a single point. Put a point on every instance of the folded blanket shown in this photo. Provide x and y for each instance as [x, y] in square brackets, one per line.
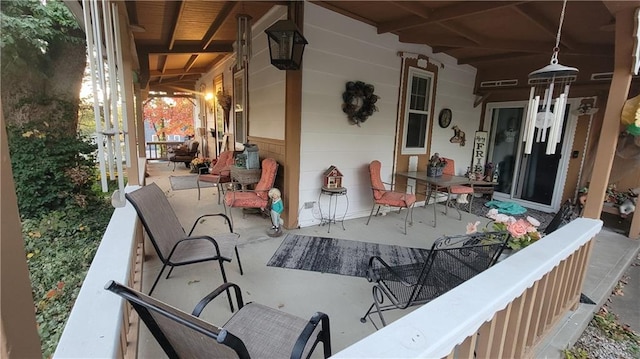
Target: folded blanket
[506, 207]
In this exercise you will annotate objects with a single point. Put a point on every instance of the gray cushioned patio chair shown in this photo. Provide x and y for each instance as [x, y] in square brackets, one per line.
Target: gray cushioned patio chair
[254, 331]
[175, 247]
[450, 262]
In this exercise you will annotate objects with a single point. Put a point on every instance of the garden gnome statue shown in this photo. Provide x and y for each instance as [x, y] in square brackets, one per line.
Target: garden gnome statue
[276, 210]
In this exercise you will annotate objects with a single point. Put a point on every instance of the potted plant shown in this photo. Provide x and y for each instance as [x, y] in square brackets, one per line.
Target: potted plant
[200, 164]
[522, 232]
[436, 165]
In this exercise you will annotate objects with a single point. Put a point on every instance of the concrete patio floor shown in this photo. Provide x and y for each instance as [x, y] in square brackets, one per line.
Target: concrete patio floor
[343, 298]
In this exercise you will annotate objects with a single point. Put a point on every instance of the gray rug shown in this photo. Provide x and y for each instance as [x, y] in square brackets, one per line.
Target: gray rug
[339, 256]
[187, 182]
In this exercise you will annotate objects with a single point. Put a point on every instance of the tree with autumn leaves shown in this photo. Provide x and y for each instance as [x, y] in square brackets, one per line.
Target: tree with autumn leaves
[169, 116]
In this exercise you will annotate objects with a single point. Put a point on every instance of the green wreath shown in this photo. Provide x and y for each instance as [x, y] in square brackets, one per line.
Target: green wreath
[359, 101]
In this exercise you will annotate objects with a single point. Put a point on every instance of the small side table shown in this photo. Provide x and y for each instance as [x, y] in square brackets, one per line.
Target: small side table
[331, 215]
[244, 176]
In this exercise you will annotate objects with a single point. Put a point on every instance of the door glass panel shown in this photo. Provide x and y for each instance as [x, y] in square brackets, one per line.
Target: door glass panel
[505, 133]
[539, 170]
[527, 177]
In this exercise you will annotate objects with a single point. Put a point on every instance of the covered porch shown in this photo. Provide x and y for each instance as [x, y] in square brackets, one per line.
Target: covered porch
[343, 298]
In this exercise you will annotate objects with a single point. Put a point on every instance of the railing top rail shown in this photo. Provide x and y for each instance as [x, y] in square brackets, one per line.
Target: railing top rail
[433, 330]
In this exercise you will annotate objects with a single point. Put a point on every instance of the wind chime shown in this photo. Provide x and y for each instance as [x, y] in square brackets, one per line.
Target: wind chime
[548, 100]
[243, 41]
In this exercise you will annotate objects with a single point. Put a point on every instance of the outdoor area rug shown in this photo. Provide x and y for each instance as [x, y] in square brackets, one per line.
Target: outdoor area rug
[187, 182]
[339, 256]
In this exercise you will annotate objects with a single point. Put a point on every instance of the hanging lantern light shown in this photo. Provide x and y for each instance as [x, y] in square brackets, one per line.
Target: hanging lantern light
[548, 100]
[286, 45]
[243, 41]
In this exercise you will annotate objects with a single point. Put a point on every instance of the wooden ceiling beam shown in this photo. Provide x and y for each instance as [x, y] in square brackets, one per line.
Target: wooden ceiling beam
[163, 65]
[224, 47]
[531, 12]
[457, 10]
[178, 72]
[344, 12]
[465, 32]
[506, 45]
[413, 7]
[179, 10]
[224, 13]
[491, 58]
[190, 63]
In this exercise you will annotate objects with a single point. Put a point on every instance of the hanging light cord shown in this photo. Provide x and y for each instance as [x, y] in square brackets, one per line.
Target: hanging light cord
[554, 57]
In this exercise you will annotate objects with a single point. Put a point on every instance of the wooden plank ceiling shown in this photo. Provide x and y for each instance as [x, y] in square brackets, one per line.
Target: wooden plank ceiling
[177, 41]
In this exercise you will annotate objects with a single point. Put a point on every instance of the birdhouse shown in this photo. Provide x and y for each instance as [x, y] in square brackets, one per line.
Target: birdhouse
[332, 178]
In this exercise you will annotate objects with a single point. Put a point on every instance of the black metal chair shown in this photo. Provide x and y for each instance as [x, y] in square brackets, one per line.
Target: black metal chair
[565, 215]
[450, 262]
[175, 247]
[254, 331]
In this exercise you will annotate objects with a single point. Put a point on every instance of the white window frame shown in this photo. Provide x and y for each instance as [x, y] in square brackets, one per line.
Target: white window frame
[411, 73]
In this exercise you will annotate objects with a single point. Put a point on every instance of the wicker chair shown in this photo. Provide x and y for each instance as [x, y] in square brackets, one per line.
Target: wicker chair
[240, 197]
[450, 262]
[219, 173]
[388, 197]
[254, 331]
[175, 247]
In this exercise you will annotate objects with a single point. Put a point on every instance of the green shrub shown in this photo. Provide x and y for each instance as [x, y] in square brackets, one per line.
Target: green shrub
[59, 247]
[51, 172]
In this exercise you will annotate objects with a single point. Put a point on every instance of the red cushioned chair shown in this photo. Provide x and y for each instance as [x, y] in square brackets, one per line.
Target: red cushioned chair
[219, 173]
[383, 196]
[256, 198]
[458, 190]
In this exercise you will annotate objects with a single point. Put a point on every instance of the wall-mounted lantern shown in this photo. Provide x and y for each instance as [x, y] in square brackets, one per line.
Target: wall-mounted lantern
[286, 45]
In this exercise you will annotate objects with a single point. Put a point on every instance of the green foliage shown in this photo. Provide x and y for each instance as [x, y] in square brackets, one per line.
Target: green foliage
[60, 246]
[607, 322]
[575, 353]
[30, 27]
[51, 172]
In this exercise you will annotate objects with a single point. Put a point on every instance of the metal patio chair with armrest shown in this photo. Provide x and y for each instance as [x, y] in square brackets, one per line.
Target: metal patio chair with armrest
[219, 173]
[565, 214]
[254, 331]
[173, 245]
[388, 197]
[458, 190]
[450, 262]
[257, 197]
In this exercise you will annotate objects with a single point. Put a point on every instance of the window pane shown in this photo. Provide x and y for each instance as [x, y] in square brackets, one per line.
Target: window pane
[416, 130]
[419, 98]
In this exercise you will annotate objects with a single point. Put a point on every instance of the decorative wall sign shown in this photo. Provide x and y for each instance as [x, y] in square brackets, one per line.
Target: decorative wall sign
[479, 151]
[359, 101]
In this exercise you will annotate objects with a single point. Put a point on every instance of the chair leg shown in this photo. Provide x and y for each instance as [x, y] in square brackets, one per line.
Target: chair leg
[224, 280]
[471, 203]
[239, 264]
[364, 317]
[370, 214]
[157, 279]
[198, 185]
[220, 193]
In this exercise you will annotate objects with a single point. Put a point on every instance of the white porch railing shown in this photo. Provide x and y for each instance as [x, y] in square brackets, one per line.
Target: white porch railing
[503, 312]
[95, 326]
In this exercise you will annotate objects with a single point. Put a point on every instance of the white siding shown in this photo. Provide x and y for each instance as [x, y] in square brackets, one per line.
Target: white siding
[341, 50]
[266, 83]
